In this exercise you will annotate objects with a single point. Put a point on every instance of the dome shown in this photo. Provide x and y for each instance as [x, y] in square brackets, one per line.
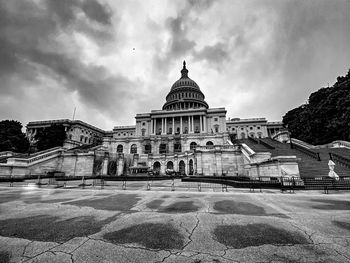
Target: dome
[185, 94]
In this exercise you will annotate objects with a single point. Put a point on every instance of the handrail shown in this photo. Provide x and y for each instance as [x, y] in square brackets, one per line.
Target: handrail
[340, 159]
[267, 145]
[307, 151]
[253, 139]
[42, 155]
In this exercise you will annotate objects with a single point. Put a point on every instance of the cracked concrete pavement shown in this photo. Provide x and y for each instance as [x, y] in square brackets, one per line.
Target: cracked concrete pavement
[90, 225]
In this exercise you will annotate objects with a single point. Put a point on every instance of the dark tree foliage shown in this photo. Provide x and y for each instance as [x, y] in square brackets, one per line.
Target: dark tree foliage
[12, 138]
[326, 116]
[50, 137]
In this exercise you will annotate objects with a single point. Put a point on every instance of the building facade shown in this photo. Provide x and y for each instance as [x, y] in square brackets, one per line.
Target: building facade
[77, 132]
[186, 135]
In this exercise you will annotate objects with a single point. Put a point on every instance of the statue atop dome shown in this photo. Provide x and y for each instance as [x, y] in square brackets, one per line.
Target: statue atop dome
[184, 71]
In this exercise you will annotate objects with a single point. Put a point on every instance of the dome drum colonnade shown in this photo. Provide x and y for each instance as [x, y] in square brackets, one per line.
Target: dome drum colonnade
[185, 94]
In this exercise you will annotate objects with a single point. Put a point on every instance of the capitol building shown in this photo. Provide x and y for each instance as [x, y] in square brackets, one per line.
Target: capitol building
[186, 136]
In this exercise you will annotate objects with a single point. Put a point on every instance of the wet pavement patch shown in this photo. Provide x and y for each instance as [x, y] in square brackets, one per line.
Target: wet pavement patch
[344, 225]
[242, 208]
[51, 228]
[331, 204]
[47, 201]
[149, 235]
[180, 207]
[242, 236]
[155, 204]
[9, 197]
[4, 257]
[119, 202]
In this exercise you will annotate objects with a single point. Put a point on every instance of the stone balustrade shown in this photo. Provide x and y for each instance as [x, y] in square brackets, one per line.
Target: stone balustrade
[37, 157]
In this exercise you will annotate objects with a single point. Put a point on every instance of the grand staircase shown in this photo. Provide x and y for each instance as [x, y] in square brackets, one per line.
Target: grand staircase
[309, 165]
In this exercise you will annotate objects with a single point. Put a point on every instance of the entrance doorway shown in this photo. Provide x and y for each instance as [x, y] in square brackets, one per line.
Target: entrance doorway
[182, 167]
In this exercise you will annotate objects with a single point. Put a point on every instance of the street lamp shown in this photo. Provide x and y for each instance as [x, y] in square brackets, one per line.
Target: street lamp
[290, 138]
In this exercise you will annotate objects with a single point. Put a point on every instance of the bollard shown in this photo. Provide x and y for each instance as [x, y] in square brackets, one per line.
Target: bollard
[199, 187]
[148, 186]
[83, 182]
[39, 181]
[172, 185]
[124, 185]
[102, 183]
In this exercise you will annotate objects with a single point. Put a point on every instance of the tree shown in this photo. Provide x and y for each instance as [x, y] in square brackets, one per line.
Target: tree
[12, 138]
[50, 137]
[326, 116]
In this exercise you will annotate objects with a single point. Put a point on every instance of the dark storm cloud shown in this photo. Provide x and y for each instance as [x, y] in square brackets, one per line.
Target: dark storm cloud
[30, 47]
[216, 54]
[180, 45]
[307, 49]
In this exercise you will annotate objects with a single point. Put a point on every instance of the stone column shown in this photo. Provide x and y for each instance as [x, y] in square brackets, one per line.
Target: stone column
[165, 126]
[192, 123]
[105, 164]
[188, 124]
[152, 127]
[135, 159]
[155, 126]
[181, 125]
[162, 132]
[200, 124]
[204, 123]
[173, 125]
[120, 162]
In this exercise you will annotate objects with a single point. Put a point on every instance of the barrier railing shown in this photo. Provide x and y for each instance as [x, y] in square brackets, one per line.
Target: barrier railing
[327, 184]
[307, 151]
[267, 145]
[340, 159]
[282, 183]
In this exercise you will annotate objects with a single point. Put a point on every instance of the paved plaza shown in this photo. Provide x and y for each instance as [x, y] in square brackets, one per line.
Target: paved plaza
[160, 225]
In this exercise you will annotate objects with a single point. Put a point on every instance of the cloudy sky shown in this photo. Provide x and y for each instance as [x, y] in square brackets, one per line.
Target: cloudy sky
[113, 59]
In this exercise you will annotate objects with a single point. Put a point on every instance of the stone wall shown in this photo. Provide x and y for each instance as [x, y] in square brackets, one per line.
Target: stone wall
[79, 164]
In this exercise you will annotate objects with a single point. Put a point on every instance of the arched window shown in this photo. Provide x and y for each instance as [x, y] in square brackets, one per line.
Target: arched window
[193, 146]
[182, 167]
[216, 127]
[177, 147]
[133, 148]
[210, 143]
[119, 148]
[170, 165]
[156, 168]
[148, 148]
[162, 148]
[190, 167]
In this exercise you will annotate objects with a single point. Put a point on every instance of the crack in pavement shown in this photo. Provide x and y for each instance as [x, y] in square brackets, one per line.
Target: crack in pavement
[304, 231]
[25, 248]
[340, 254]
[190, 235]
[47, 250]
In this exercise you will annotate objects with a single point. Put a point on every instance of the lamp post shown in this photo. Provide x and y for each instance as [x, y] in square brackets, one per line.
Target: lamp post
[290, 138]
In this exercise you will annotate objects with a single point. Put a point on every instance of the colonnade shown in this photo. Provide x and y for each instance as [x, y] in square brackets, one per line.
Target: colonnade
[166, 125]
